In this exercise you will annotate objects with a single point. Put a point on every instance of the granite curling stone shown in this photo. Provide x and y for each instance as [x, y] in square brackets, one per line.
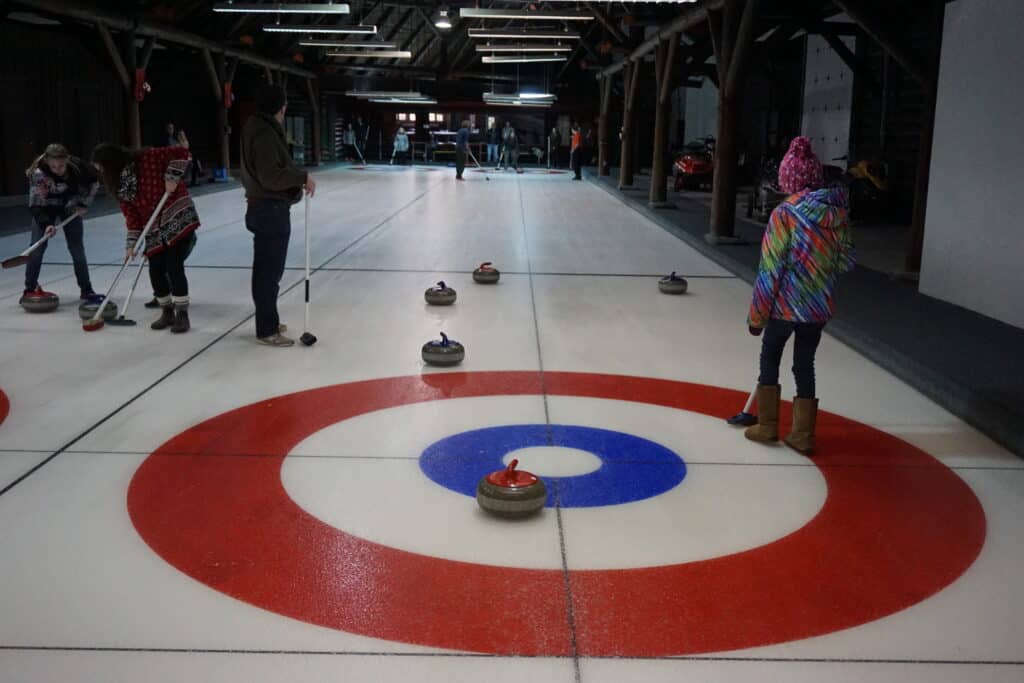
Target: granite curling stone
[672, 284]
[39, 302]
[511, 493]
[444, 352]
[441, 295]
[88, 309]
[486, 274]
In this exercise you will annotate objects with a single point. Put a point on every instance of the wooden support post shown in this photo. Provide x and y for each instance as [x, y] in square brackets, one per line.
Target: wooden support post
[603, 163]
[314, 103]
[147, 52]
[134, 116]
[732, 37]
[223, 128]
[211, 72]
[115, 56]
[626, 170]
[924, 155]
[664, 61]
[876, 29]
[606, 21]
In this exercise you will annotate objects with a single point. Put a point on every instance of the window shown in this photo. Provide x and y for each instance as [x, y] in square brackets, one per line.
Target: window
[492, 121]
[402, 117]
[436, 118]
[412, 117]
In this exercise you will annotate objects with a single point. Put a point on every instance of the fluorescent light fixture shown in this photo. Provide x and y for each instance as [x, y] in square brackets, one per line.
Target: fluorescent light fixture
[283, 8]
[402, 94]
[519, 59]
[310, 29]
[522, 14]
[519, 96]
[523, 34]
[442, 19]
[367, 45]
[398, 100]
[374, 54]
[517, 103]
[512, 47]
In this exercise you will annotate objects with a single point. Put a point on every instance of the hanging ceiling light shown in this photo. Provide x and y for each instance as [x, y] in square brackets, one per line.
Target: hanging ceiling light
[516, 47]
[523, 34]
[520, 59]
[521, 14]
[371, 45]
[386, 94]
[282, 8]
[442, 19]
[373, 54]
[539, 98]
[299, 28]
[400, 100]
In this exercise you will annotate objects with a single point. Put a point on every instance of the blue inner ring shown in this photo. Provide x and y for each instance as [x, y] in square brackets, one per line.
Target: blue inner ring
[631, 469]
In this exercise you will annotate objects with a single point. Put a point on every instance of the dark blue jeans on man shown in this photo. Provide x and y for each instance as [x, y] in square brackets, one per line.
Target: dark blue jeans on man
[269, 220]
[76, 247]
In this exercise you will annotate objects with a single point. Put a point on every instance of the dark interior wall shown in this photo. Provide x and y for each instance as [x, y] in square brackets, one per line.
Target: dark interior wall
[55, 87]
[58, 86]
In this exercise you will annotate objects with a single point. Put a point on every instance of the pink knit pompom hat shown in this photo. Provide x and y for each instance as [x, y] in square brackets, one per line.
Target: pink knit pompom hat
[800, 169]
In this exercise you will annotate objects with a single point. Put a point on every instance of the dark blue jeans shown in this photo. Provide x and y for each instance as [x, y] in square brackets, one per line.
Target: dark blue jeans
[776, 334]
[76, 246]
[270, 223]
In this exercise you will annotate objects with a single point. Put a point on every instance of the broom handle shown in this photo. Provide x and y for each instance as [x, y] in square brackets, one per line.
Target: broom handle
[306, 227]
[46, 237]
[135, 249]
[750, 401]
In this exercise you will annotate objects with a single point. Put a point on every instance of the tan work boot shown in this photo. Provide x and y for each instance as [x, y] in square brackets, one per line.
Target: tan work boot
[767, 428]
[805, 420]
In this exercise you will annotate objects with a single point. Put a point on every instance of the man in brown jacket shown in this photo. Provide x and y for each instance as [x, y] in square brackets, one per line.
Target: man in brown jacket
[272, 184]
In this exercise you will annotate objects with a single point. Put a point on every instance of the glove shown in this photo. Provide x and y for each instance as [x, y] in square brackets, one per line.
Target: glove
[756, 331]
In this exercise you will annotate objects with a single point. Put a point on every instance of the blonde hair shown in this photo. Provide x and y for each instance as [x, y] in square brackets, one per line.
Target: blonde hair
[54, 150]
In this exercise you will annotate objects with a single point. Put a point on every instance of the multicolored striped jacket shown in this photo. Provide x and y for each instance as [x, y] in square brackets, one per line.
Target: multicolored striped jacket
[805, 249]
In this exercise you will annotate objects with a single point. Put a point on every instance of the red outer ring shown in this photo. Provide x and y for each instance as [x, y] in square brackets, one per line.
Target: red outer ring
[5, 406]
[897, 527]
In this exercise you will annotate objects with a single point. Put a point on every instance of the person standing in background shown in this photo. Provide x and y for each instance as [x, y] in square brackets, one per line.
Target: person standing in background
[555, 144]
[401, 147]
[362, 134]
[461, 150]
[493, 140]
[272, 184]
[576, 152]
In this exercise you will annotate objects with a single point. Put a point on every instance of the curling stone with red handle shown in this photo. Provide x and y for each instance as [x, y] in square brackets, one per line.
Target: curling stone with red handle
[511, 493]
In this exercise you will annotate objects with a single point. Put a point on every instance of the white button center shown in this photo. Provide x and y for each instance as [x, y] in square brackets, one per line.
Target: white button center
[554, 461]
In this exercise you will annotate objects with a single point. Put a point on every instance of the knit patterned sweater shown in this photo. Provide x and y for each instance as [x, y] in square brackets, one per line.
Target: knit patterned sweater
[52, 197]
[806, 246]
[140, 189]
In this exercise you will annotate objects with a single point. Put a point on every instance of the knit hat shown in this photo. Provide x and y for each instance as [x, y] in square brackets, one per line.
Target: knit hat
[800, 169]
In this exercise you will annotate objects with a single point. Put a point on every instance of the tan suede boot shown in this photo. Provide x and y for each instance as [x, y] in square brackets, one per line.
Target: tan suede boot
[805, 419]
[767, 428]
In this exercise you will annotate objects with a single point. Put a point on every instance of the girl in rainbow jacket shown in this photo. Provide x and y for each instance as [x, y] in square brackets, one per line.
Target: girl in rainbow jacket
[805, 249]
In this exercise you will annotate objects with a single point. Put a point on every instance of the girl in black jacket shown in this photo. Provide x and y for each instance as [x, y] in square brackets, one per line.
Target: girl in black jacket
[60, 185]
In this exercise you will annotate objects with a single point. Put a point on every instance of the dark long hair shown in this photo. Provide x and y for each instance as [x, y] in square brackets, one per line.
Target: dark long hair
[112, 159]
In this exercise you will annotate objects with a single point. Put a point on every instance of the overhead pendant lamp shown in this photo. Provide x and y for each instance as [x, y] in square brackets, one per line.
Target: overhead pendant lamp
[523, 34]
[523, 15]
[442, 19]
[520, 59]
[300, 28]
[283, 8]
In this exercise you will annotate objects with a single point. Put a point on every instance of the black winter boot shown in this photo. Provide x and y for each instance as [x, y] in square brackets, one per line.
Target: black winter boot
[181, 321]
[166, 318]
